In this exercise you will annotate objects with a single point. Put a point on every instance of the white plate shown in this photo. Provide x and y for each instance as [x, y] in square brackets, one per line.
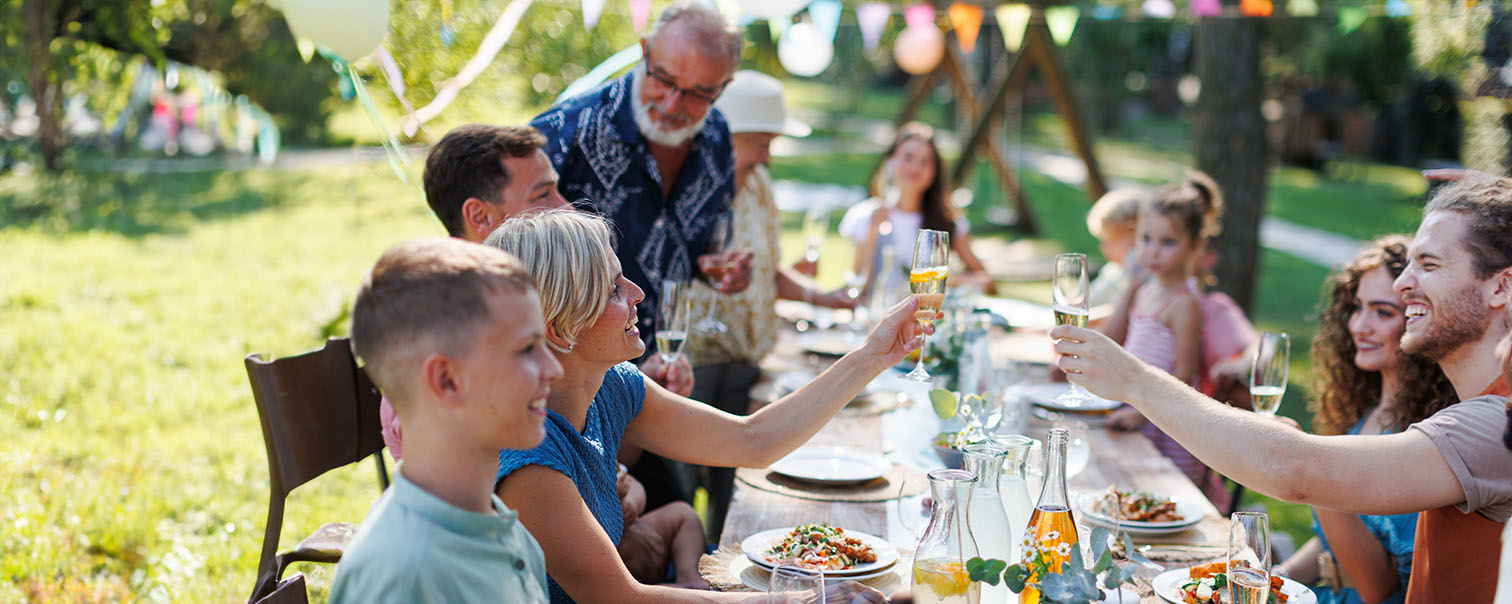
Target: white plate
[1168, 585]
[756, 546]
[1190, 515]
[829, 342]
[832, 465]
[1044, 396]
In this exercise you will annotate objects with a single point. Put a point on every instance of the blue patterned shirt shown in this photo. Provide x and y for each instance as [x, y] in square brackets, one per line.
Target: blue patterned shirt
[600, 155]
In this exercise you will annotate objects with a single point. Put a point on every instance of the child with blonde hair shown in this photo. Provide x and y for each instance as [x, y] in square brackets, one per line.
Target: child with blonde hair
[1112, 221]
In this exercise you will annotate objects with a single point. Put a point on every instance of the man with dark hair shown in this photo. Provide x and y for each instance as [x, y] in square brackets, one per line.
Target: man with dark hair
[478, 175]
[1453, 467]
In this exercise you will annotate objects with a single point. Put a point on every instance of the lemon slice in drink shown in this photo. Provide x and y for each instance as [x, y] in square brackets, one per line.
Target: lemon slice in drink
[921, 275]
[944, 402]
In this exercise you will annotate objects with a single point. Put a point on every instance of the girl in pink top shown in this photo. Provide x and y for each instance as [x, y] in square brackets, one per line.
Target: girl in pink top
[1160, 319]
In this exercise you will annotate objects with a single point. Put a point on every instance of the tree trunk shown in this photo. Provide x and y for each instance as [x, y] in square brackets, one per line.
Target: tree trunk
[43, 82]
[1231, 145]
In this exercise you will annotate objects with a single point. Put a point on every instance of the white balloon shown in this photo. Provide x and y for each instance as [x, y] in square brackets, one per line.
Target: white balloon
[919, 49]
[773, 9]
[803, 51]
[349, 28]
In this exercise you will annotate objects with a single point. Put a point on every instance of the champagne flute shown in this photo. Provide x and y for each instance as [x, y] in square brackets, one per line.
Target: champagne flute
[1268, 373]
[719, 238]
[789, 580]
[815, 228]
[1249, 558]
[671, 320]
[1070, 303]
[931, 265]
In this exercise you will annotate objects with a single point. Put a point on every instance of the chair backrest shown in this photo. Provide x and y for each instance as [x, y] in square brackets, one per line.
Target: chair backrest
[290, 591]
[319, 412]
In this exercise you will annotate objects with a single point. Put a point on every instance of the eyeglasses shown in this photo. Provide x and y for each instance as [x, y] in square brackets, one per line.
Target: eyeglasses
[693, 96]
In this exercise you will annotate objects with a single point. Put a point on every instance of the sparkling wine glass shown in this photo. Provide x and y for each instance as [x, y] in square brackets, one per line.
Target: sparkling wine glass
[789, 580]
[1070, 303]
[931, 265]
[1268, 373]
[815, 229]
[719, 238]
[1249, 558]
[671, 320]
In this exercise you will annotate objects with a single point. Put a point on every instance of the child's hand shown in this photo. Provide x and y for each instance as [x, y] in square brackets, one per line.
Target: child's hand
[1126, 419]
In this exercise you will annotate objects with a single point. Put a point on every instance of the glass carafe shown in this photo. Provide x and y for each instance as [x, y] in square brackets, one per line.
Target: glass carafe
[1051, 524]
[939, 569]
[1013, 487]
[988, 522]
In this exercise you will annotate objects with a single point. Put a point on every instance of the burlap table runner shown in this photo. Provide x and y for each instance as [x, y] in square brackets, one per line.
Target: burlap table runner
[879, 490]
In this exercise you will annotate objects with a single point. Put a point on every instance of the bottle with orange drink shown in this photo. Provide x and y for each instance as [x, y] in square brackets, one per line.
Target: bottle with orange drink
[939, 569]
[1052, 531]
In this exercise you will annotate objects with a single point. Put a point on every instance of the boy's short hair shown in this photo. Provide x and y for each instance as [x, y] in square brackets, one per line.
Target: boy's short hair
[469, 162]
[1488, 204]
[1119, 207]
[427, 295]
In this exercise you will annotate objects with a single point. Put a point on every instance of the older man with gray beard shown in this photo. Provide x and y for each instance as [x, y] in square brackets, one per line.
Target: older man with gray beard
[649, 152]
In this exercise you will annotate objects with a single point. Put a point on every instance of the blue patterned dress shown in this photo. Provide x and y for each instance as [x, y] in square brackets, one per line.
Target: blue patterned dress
[600, 155]
[1396, 533]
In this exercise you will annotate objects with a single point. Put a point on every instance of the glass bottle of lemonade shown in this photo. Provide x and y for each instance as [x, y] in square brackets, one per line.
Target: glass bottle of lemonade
[1051, 526]
[939, 569]
[987, 520]
[1013, 488]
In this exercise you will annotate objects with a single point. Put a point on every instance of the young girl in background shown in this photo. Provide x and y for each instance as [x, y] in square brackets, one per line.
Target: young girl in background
[1160, 320]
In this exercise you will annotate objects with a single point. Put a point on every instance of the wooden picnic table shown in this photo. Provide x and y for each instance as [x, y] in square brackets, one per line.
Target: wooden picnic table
[903, 434]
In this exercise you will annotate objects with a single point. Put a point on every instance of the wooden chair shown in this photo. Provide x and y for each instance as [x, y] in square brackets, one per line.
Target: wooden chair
[290, 591]
[319, 412]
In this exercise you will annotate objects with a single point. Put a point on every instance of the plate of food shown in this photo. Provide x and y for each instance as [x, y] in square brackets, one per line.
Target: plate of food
[833, 550]
[1200, 585]
[1140, 513]
[1044, 396]
[832, 465]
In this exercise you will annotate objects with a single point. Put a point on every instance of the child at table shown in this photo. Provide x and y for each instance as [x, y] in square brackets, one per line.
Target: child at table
[1160, 320]
[1112, 221]
[467, 382]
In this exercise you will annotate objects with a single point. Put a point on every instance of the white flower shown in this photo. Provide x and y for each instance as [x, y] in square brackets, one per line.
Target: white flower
[1051, 536]
[1064, 549]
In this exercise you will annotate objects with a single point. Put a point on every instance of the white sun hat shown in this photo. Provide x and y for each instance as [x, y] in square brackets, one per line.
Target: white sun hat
[753, 103]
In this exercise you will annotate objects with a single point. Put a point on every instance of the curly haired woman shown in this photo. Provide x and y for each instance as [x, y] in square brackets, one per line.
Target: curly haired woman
[1365, 384]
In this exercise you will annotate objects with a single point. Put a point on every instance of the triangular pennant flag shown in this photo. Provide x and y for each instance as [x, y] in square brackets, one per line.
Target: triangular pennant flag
[1207, 8]
[825, 15]
[1256, 8]
[306, 49]
[1103, 12]
[919, 15]
[391, 71]
[1398, 8]
[1351, 18]
[1012, 20]
[873, 18]
[640, 12]
[592, 10]
[1158, 9]
[1062, 23]
[1302, 8]
[967, 21]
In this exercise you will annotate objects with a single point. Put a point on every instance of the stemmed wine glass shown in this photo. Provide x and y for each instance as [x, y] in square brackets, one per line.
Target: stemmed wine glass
[815, 228]
[1249, 558]
[794, 580]
[719, 238]
[1268, 373]
[931, 264]
[1070, 303]
[671, 320]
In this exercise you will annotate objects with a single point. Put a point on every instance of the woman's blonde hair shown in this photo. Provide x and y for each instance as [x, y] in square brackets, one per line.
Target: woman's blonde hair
[570, 254]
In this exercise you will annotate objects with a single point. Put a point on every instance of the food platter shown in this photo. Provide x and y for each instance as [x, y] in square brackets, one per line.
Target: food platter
[1168, 586]
[756, 546]
[1190, 514]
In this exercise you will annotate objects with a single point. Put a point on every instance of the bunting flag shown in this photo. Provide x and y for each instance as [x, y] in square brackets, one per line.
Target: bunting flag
[1013, 19]
[448, 31]
[919, 15]
[1106, 12]
[1351, 18]
[306, 49]
[1207, 8]
[1302, 8]
[873, 18]
[640, 13]
[592, 10]
[966, 19]
[1256, 8]
[1158, 9]
[1398, 8]
[1062, 23]
[825, 15]
[391, 71]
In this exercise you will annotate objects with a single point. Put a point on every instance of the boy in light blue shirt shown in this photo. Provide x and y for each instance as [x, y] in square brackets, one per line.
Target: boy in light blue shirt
[452, 333]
